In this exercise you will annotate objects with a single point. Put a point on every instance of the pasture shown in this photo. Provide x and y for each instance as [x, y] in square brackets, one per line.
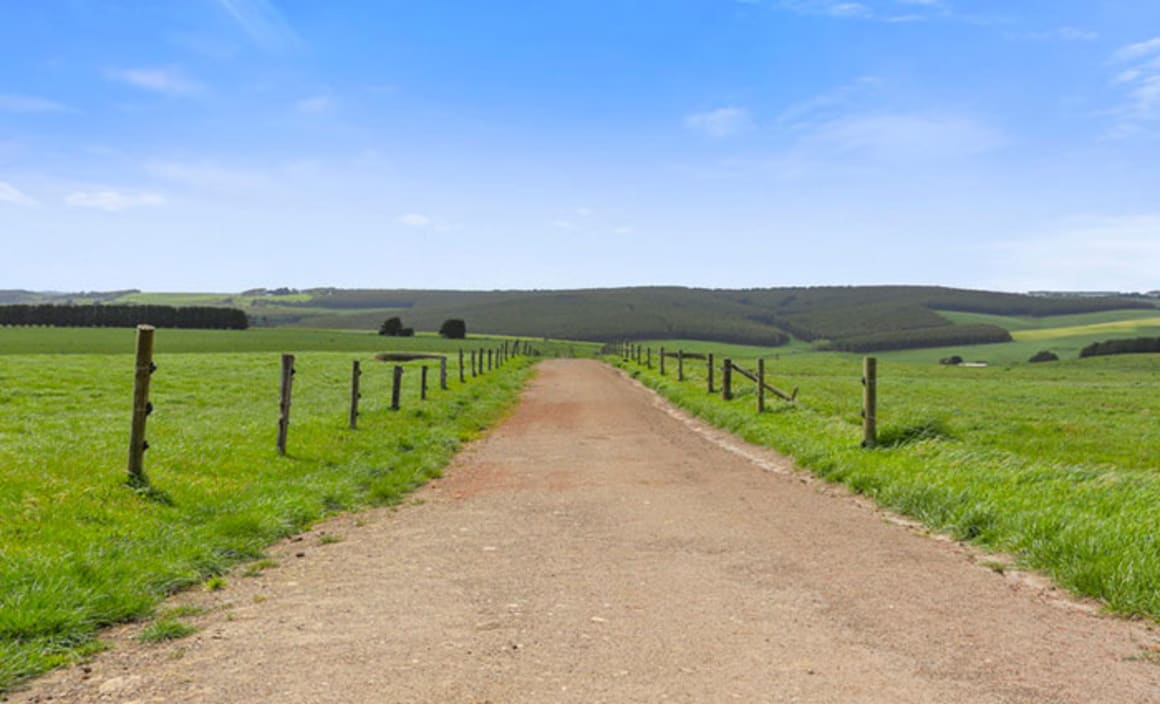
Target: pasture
[1056, 463]
[80, 549]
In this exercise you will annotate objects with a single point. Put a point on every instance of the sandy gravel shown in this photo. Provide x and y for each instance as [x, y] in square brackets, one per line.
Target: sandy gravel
[597, 547]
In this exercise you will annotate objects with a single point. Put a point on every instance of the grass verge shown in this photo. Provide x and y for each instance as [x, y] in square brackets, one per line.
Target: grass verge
[1092, 526]
[79, 549]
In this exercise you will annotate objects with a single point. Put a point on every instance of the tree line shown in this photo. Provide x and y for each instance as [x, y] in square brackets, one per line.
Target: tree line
[124, 316]
[916, 339]
[1136, 345]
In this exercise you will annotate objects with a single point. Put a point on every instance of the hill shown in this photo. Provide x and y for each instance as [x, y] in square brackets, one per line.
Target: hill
[851, 318]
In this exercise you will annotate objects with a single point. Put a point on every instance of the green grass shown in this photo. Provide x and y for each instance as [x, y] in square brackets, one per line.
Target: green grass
[1055, 463]
[44, 340]
[164, 629]
[79, 549]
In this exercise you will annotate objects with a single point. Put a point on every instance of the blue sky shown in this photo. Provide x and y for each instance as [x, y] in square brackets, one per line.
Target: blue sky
[226, 144]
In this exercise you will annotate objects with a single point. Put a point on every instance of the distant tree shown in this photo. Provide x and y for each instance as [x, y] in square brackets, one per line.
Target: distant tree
[953, 359]
[453, 329]
[407, 332]
[391, 327]
[1044, 356]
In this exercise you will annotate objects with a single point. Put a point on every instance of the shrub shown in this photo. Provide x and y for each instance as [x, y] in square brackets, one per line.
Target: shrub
[1044, 356]
[392, 327]
[952, 360]
[453, 329]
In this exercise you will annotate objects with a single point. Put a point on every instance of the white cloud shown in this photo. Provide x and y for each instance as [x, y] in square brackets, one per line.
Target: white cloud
[11, 194]
[1101, 253]
[848, 9]
[209, 176]
[887, 136]
[811, 111]
[1138, 50]
[722, 122]
[114, 201]
[28, 103]
[262, 22]
[414, 220]
[1067, 34]
[166, 81]
[1139, 109]
[314, 105]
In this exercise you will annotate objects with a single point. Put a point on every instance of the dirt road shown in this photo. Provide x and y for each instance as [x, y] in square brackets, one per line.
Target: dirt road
[594, 548]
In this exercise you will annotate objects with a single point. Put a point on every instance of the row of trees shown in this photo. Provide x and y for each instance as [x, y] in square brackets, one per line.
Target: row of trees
[1136, 345]
[452, 328]
[124, 316]
[915, 339]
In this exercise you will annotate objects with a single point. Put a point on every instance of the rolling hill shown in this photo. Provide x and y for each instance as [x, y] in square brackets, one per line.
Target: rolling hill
[849, 318]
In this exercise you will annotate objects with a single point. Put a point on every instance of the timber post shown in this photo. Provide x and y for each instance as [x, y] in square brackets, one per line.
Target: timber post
[143, 371]
[709, 370]
[869, 402]
[423, 383]
[284, 404]
[396, 387]
[727, 379]
[661, 357]
[462, 377]
[680, 365]
[761, 385]
[355, 373]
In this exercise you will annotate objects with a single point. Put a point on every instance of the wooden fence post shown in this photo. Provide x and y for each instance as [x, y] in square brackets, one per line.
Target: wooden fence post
[396, 387]
[489, 353]
[648, 358]
[869, 402]
[709, 370]
[355, 373]
[473, 364]
[284, 405]
[462, 377]
[423, 383]
[727, 380]
[443, 373]
[662, 361]
[680, 365]
[143, 371]
[761, 385]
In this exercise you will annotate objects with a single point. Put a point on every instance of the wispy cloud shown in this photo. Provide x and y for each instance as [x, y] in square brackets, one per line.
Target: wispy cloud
[719, 123]
[29, 103]
[824, 106]
[904, 136]
[414, 220]
[211, 176]
[263, 23]
[1137, 68]
[166, 81]
[1096, 253]
[888, 11]
[315, 105]
[14, 196]
[114, 201]
[1063, 34]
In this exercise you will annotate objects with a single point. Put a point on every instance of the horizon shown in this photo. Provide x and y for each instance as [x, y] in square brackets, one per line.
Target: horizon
[706, 144]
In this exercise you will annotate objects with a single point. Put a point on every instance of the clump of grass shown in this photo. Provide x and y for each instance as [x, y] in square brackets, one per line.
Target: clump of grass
[257, 567]
[183, 611]
[215, 583]
[329, 539]
[164, 629]
[906, 433]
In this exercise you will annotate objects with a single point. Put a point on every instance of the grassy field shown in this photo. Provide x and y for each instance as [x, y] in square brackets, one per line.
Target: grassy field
[44, 340]
[1056, 463]
[79, 549]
